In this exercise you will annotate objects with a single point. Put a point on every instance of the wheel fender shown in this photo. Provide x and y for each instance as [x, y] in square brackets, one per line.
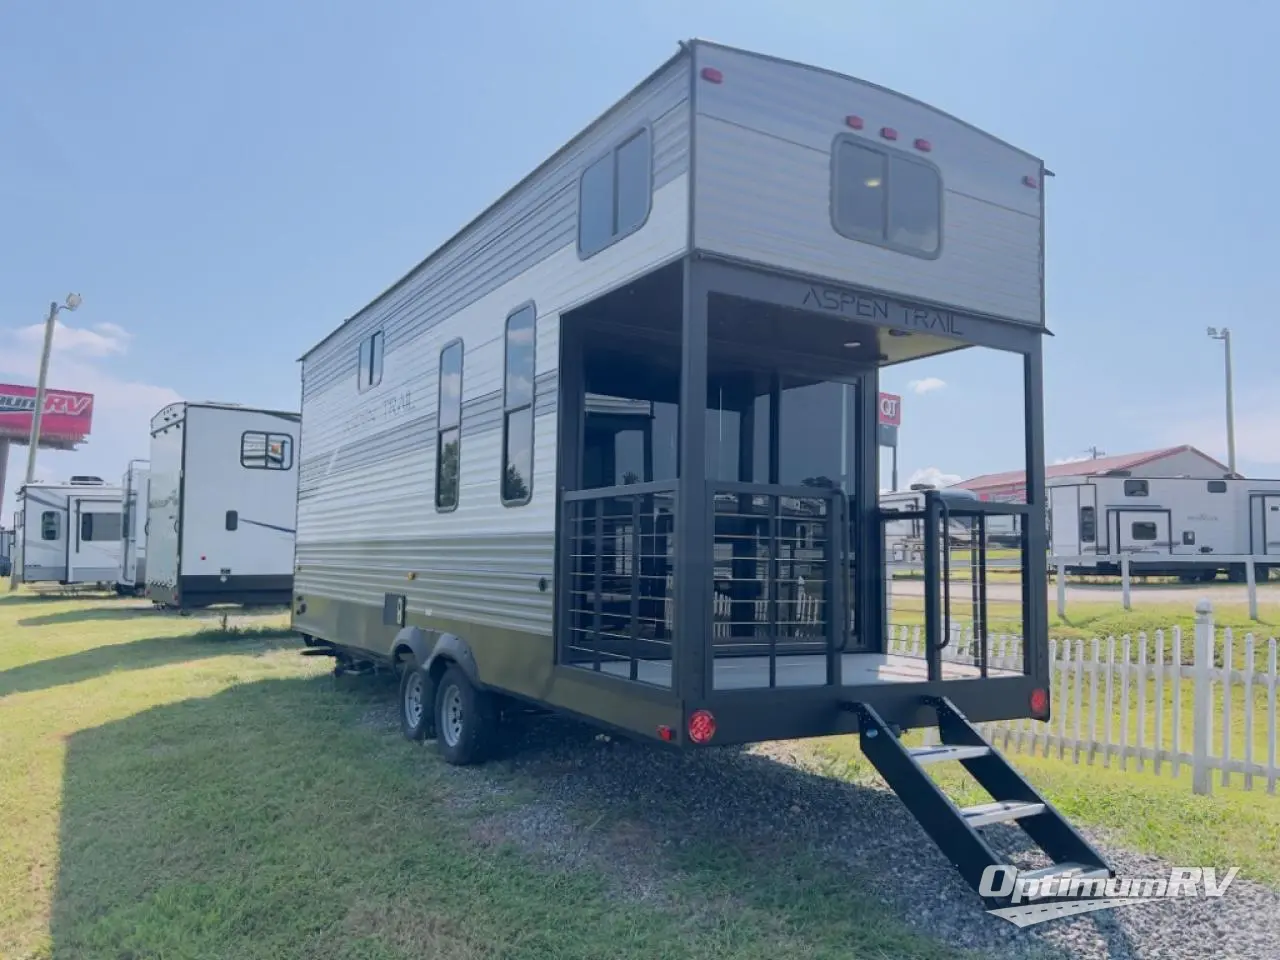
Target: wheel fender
[415, 641]
[452, 648]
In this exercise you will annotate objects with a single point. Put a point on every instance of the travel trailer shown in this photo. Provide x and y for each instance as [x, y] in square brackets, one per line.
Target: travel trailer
[739, 246]
[6, 551]
[132, 575]
[222, 499]
[67, 533]
[1190, 527]
[904, 539]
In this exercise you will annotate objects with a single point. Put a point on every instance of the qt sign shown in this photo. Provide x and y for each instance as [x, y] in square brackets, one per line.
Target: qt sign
[890, 414]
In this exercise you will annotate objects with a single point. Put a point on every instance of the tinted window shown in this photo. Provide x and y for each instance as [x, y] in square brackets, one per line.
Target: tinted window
[266, 451]
[595, 206]
[371, 349]
[885, 197]
[861, 190]
[1088, 525]
[614, 194]
[99, 526]
[1217, 486]
[915, 206]
[517, 424]
[50, 525]
[232, 521]
[634, 183]
[1143, 530]
[816, 435]
[1135, 488]
[449, 431]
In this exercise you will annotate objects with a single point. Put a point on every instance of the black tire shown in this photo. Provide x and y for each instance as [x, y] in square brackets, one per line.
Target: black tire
[466, 719]
[417, 706]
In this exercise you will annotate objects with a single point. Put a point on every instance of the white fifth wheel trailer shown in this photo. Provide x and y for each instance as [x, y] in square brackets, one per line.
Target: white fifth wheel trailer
[132, 575]
[1167, 526]
[222, 500]
[68, 533]
[739, 245]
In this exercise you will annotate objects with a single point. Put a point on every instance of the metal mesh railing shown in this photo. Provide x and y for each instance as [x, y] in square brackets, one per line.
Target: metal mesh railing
[619, 549]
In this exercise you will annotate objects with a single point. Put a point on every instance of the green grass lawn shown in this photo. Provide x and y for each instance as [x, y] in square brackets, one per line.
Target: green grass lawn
[171, 789]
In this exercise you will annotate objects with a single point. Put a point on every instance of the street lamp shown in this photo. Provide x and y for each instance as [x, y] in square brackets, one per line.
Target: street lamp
[1225, 336]
[72, 301]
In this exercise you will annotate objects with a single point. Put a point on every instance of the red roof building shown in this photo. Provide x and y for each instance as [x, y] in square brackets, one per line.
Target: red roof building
[1182, 461]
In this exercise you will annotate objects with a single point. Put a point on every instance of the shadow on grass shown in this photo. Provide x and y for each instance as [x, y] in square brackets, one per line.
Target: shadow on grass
[17, 599]
[89, 613]
[134, 655]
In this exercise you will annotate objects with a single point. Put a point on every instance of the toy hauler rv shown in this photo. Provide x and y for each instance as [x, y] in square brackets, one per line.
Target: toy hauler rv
[68, 533]
[132, 575]
[1188, 527]
[739, 245]
[222, 500]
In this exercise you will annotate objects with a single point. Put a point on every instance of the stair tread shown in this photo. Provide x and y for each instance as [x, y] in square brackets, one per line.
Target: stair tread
[942, 751]
[1001, 811]
[1081, 870]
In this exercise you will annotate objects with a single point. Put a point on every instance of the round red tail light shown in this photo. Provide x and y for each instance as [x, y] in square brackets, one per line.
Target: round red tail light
[1039, 702]
[702, 726]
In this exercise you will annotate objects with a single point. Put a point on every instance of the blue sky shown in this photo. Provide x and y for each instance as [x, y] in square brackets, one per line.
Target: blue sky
[225, 182]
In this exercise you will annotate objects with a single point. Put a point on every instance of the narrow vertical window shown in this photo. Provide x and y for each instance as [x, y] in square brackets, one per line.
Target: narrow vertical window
[369, 373]
[517, 408]
[449, 427]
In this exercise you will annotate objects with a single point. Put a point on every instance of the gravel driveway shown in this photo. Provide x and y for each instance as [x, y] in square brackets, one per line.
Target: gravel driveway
[771, 797]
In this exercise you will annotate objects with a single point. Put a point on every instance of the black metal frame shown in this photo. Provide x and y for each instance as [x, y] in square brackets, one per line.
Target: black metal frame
[767, 713]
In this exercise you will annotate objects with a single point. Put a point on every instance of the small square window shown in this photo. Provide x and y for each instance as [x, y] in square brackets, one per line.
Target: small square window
[1143, 530]
[1136, 488]
[1216, 486]
[266, 451]
[885, 197]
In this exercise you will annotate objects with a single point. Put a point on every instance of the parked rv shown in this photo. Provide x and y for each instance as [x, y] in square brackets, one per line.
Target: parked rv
[6, 552]
[904, 539]
[67, 533]
[1167, 526]
[222, 498]
[735, 248]
[132, 575]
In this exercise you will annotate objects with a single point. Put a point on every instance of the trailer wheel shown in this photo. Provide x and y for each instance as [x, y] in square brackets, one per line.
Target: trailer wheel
[416, 706]
[466, 719]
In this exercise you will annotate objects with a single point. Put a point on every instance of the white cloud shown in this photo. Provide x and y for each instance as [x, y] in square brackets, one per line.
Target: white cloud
[934, 476]
[927, 385]
[82, 359]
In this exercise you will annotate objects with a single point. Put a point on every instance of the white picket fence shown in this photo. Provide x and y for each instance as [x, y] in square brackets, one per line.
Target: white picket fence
[1164, 702]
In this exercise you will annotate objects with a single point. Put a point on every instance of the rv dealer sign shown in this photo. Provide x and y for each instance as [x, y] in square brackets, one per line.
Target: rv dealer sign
[888, 419]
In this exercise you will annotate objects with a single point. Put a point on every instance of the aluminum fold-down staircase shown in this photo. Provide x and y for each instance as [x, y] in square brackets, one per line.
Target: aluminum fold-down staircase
[955, 829]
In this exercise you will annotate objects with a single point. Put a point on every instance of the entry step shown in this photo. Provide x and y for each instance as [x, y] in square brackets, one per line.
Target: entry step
[1075, 871]
[1000, 811]
[942, 752]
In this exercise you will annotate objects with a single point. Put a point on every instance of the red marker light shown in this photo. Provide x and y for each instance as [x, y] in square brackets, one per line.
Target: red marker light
[923, 145]
[854, 123]
[889, 133]
[1039, 701]
[1030, 181]
[702, 726]
[666, 733]
[712, 75]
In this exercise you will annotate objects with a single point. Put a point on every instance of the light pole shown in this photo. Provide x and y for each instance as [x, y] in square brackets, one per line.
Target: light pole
[72, 301]
[1225, 336]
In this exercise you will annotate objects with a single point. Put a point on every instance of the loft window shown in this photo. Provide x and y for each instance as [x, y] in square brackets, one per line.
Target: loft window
[517, 408]
[449, 427]
[885, 197]
[615, 194]
[1136, 488]
[370, 372]
[1217, 486]
[1143, 530]
[266, 451]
